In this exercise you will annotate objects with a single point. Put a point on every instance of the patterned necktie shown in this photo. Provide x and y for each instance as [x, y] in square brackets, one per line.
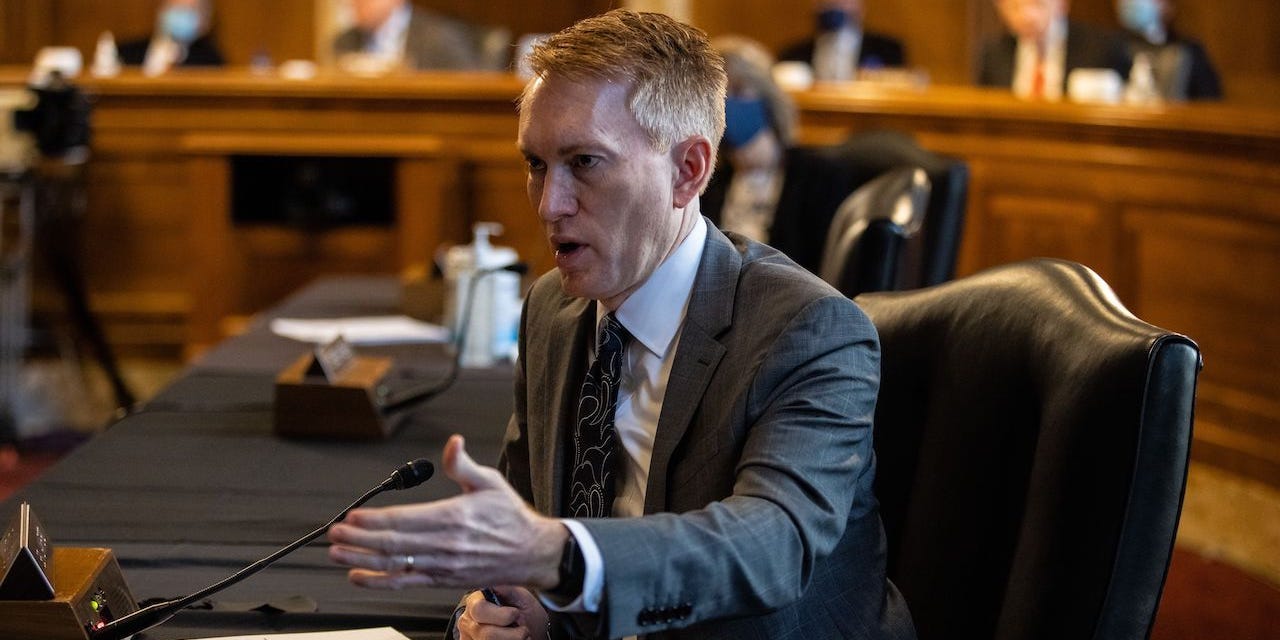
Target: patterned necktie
[595, 442]
[1038, 79]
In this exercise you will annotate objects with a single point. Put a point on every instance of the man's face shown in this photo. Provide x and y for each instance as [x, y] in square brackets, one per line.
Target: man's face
[851, 7]
[370, 14]
[1029, 18]
[604, 195]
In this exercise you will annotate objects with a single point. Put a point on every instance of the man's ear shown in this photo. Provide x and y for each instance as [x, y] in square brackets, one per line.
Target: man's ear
[694, 162]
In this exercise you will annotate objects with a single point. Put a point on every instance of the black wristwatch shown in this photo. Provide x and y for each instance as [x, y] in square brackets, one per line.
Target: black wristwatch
[573, 571]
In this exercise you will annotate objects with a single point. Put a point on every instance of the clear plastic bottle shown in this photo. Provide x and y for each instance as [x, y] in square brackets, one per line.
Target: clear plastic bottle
[489, 334]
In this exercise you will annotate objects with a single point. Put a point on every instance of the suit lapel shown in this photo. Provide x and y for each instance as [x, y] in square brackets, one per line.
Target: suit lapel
[566, 358]
[697, 355]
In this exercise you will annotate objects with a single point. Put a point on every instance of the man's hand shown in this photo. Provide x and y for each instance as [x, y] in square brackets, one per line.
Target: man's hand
[485, 536]
[521, 617]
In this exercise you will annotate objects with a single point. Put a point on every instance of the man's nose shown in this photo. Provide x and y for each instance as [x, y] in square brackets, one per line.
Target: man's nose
[558, 196]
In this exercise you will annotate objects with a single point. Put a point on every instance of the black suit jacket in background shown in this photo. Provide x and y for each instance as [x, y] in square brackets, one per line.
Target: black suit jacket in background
[1087, 48]
[877, 51]
[816, 181]
[202, 52]
[1203, 82]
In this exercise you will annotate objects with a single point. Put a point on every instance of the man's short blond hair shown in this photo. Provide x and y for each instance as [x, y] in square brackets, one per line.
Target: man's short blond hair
[678, 79]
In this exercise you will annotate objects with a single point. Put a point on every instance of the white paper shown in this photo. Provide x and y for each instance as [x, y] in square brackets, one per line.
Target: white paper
[369, 330]
[381, 633]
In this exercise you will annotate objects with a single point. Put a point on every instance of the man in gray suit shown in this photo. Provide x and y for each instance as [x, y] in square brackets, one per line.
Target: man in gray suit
[723, 424]
[417, 38]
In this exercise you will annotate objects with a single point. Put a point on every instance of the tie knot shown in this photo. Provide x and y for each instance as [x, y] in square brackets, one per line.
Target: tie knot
[612, 337]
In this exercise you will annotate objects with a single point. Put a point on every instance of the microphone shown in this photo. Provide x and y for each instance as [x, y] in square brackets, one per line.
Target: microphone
[388, 401]
[410, 474]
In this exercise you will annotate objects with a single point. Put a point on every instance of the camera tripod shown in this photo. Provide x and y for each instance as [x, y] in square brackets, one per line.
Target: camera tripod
[50, 203]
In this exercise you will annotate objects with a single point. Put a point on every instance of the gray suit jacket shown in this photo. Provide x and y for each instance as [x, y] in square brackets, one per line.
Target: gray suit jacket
[433, 41]
[761, 521]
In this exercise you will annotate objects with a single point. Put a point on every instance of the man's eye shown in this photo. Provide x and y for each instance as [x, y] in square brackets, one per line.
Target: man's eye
[585, 162]
[534, 164]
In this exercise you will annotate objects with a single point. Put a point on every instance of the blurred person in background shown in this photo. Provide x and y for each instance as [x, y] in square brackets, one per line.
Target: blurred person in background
[1180, 65]
[181, 38]
[840, 46]
[765, 187]
[402, 34]
[1042, 47]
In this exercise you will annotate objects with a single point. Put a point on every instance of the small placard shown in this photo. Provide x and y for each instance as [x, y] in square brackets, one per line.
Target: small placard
[331, 360]
[25, 559]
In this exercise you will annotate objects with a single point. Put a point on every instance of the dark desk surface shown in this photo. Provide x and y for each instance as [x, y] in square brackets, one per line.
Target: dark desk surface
[195, 485]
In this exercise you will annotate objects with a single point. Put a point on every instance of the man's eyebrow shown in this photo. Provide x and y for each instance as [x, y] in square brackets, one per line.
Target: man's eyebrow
[571, 149]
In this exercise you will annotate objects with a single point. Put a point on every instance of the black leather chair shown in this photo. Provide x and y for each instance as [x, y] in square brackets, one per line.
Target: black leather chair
[1032, 440]
[870, 154]
[874, 241]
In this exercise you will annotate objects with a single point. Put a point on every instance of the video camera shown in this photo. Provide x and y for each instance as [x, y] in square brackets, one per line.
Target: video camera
[58, 120]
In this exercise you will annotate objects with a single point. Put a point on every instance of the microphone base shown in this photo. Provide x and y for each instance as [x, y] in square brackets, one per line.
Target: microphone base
[344, 409]
[82, 577]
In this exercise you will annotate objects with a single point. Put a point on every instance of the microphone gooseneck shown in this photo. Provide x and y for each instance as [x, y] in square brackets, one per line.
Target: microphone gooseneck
[409, 475]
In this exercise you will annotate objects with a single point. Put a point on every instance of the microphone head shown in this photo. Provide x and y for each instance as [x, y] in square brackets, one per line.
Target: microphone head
[412, 474]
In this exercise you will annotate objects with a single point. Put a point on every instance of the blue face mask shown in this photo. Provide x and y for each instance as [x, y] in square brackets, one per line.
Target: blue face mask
[832, 19]
[1139, 15]
[181, 23]
[743, 119]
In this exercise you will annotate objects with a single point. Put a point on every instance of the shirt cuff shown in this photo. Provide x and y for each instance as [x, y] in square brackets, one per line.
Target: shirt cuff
[592, 581]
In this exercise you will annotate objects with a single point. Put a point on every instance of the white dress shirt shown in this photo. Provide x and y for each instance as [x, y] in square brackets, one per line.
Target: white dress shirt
[652, 314]
[835, 55]
[1055, 62]
[388, 40]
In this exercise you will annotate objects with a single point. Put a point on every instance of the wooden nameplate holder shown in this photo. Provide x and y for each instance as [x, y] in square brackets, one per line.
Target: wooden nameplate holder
[332, 394]
[88, 589]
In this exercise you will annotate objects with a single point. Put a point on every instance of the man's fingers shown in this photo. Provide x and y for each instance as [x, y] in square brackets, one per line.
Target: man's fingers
[389, 581]
[486, 612]
[466, 472]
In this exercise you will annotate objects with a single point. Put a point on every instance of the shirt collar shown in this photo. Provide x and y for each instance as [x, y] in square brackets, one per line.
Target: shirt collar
[389, 36]
[652, 314]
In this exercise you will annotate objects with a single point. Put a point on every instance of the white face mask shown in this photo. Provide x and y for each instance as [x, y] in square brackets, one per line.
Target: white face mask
[1139, 15]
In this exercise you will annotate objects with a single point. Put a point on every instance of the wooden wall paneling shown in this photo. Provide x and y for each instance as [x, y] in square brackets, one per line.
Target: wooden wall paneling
[78, 23]
[432, 210]
[1022, 224]
[137, 221]
[215, 269]
[282, 29]
[1213, 276]
[25, 26]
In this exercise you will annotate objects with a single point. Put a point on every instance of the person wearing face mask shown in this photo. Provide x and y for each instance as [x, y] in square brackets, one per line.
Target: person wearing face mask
[764, 187]
[181, 39]
[840, 46]
[1180, 66]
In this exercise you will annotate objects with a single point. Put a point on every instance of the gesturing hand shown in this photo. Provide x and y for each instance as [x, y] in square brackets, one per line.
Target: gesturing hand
[485, 536]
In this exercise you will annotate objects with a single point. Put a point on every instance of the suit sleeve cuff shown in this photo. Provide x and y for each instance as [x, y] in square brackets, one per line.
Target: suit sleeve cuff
[593, 578]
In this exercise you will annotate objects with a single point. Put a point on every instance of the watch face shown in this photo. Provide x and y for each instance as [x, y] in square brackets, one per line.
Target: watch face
[572, 569]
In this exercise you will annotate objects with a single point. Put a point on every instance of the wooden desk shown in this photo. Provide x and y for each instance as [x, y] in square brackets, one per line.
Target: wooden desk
[1174, 206]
